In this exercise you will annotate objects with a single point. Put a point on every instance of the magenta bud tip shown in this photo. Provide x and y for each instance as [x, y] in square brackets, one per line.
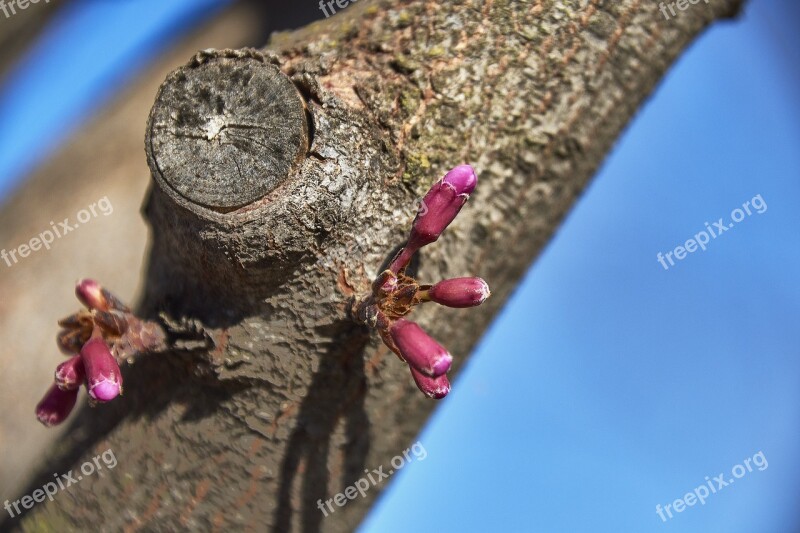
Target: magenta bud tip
[436, 388]
[69, 374]
[56, 406]
[462, 178]
[441, 205]
[90, 293]
[103, 377]
[419, 349]
[442, 366]
[105, 390]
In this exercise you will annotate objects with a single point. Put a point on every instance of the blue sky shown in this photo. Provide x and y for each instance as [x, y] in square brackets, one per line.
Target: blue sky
[630, 383]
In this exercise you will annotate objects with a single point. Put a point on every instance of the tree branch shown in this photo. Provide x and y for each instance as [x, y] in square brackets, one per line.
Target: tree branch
[264, 228]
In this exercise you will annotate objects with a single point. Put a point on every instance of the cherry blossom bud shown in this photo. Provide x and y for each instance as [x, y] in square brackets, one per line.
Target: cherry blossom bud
[103, 378]
[69, 374]
[90, 293]
[436, 388]
[94, 296]
[459, 292]
[443, 202]
[441, 205]
[56, 405]
[418, 349]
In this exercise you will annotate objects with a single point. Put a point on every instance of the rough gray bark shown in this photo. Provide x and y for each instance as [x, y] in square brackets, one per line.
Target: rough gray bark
[283, 400]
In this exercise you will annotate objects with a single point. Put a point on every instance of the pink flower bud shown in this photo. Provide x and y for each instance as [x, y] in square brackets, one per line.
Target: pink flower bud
[69, 374]
[103, 378]
[94, 296]
[436, 388]
[439, 208]
[90, 293]
[419, 350]
[56, 406]
[443, 202]
[459, 292]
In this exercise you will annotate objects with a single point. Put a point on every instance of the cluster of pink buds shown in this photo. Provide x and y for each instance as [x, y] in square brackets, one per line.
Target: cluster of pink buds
[96, 341]
[394, 294]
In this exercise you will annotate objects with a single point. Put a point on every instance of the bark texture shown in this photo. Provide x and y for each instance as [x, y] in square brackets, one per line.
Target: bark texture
[273, 398]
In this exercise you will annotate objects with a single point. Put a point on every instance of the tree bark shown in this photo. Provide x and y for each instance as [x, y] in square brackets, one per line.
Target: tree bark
[282, 182]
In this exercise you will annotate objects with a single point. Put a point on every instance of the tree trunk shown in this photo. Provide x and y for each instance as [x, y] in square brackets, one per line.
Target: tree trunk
[278, 193]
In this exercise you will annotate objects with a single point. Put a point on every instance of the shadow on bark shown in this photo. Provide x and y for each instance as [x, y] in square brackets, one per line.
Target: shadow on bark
[337, 392]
